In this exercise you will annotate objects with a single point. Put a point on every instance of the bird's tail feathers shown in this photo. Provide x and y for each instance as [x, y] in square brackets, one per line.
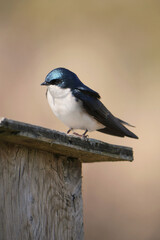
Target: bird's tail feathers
[118, 133]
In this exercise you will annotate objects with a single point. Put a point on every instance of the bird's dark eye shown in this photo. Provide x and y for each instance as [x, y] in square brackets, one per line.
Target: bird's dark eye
[55, 81]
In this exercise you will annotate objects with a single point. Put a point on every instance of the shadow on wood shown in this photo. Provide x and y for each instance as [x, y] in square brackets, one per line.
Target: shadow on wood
[40, 180]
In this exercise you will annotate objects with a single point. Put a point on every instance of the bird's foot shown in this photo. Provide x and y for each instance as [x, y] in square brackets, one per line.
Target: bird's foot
[84, 136]
[77, 134]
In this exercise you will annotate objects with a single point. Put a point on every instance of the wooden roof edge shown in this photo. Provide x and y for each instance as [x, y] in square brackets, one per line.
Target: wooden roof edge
[87, 150]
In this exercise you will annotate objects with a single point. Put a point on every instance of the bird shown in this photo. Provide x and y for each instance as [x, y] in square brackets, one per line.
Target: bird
[79, 107]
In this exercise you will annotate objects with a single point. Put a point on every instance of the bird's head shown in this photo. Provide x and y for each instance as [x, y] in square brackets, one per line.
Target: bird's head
[61, 77]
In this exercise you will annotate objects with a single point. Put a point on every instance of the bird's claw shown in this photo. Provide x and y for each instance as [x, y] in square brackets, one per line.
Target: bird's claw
[85, 136]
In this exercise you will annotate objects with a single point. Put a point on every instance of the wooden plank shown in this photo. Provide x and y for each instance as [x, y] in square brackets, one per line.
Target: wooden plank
[86, 150]
[40, 195]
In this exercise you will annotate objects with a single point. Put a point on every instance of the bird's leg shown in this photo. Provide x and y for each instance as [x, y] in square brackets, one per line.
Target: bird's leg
[69, 130]
[84, 134]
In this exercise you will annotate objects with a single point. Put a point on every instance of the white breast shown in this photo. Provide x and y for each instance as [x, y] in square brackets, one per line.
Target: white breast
[70, 111]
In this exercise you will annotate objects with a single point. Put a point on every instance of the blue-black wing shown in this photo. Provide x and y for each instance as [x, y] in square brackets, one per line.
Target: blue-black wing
[94, 107]
[86, 90]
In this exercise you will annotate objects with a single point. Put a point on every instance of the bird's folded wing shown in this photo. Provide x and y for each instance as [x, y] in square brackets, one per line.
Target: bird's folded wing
[95, 107]
[86, 90]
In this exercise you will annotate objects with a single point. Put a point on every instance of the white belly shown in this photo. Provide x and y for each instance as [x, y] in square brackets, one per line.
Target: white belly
[69, 111]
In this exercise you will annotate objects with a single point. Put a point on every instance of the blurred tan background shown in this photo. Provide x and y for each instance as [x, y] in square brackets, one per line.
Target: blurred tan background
[114, 47]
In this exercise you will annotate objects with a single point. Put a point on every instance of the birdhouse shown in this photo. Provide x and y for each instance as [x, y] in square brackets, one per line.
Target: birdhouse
[41, 179]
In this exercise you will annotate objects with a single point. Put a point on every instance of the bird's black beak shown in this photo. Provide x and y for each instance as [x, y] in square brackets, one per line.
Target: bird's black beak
[44, 84]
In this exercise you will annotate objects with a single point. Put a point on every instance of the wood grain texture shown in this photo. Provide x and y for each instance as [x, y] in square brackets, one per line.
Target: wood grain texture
[86, 150]
[40, 195]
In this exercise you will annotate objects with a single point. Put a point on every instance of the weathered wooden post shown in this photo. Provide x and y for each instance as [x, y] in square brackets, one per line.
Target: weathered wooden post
[40, 180]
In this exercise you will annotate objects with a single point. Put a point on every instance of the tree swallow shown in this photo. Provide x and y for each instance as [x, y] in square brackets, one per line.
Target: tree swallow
[79, 107]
